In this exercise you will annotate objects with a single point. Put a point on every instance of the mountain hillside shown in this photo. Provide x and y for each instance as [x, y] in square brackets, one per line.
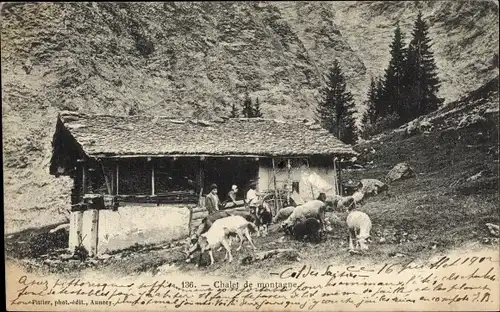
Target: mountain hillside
[196, 59]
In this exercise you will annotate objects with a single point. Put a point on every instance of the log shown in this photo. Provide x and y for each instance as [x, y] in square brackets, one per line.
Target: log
[64, 226]
[199, 215]
[198, 209]
[289, 253]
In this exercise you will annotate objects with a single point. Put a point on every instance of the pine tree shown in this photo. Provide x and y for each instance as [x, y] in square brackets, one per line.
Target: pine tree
[336, 111]
[256, 111]
[234, 111]
[371, 111]
[247, 107]
[421, 72]
[379, 100]
[393, 95]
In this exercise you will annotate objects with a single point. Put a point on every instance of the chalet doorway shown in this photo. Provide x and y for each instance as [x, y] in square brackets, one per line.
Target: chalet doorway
[226, 172]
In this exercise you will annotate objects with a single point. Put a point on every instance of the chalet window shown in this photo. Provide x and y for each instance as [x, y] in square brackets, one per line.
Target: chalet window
[176, 175]
[135, 177]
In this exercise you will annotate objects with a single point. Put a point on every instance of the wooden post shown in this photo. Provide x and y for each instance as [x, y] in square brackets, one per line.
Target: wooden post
[90, 231]
[75, 230]
[152, 178]
[84, 179]
[117, 177]
[340, 178]
[108, 186]
[335, 179]
[113, 187]
[289, 182]
[275, 188]
[190, 221]
[201, 178]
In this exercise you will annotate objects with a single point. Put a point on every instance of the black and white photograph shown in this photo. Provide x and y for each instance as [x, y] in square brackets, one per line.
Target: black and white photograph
[251, 155]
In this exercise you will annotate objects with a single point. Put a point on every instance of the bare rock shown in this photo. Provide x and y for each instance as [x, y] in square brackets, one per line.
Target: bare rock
[493, 228]
[371, 187]
[400, 172]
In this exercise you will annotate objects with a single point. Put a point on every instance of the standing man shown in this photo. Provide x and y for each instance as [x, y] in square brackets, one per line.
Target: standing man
[212, 200]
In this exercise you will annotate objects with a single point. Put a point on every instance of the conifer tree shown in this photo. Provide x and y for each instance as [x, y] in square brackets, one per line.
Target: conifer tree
[393, 95]
[379, 101]
[256, 112]
[421, 73]
[234, 111]
[336, 111]
[247, 107]
[371, 111]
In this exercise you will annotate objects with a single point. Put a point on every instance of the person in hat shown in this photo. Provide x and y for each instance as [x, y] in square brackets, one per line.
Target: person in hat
[252, 198]
[231, 196]
[212, 200]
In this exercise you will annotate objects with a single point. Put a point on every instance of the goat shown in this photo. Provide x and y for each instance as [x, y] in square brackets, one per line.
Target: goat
[359, 226]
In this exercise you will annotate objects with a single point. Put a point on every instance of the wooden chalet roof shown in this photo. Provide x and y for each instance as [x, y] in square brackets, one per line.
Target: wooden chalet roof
[105, 135]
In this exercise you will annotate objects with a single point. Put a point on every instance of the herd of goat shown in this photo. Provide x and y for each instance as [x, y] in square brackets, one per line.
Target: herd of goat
[306, 220]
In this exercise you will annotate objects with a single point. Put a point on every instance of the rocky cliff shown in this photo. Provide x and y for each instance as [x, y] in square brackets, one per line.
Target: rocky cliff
[196, 59]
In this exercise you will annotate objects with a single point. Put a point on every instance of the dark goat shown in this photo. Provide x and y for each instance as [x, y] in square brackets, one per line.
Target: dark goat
[310, 228]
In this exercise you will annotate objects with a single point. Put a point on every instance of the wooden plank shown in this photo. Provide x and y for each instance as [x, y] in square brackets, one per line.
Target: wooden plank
[75, 230]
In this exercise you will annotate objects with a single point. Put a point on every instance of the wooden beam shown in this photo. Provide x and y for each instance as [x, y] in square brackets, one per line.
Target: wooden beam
[335, 179]
[117, 178]
[340, 178]
[275, 188]
[152, 178]
[289, 182]
[199, 155]
[201, 179]
[108, 186]
[84, 179]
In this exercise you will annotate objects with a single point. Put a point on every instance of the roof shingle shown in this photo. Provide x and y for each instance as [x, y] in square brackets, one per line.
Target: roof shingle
[153, 135]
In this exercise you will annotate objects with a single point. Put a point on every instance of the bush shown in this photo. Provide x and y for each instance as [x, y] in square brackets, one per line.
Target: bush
[381, 125]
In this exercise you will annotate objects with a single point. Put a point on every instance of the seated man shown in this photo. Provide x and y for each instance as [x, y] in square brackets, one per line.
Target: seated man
[252, 199]
[212, 200]
[231, 196]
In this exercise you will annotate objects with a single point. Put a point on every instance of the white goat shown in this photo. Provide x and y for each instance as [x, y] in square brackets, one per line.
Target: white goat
[311, 209]
[359, 225]
[218, 234]
[283, 214]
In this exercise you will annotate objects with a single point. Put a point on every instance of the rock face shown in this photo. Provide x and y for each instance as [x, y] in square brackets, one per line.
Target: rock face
[400, 172]
[197, 59]
[371, 187]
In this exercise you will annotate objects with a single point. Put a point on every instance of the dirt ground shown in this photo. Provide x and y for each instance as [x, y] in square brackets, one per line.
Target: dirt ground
[444, 207]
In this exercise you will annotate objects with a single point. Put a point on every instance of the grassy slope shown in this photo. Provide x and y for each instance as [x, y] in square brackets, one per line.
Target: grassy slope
[439, 207]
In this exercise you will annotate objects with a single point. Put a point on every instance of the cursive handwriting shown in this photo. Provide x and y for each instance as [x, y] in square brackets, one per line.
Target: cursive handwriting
[446, 281]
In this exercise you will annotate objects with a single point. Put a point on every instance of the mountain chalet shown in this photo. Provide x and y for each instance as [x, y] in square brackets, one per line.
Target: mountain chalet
[142, 179]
